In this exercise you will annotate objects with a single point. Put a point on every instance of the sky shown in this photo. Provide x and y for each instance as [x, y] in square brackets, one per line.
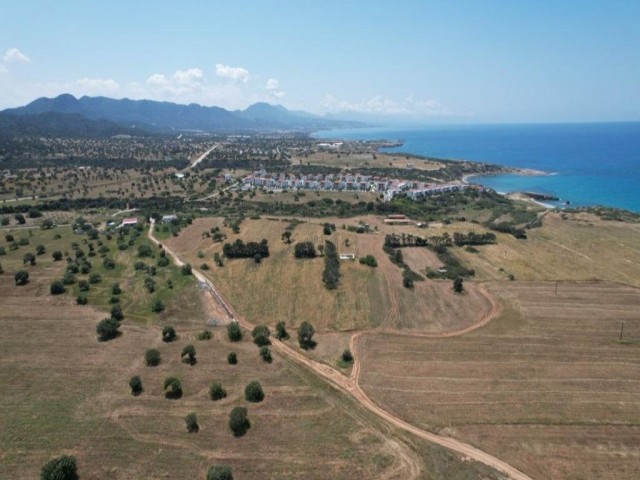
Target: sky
[463, 61]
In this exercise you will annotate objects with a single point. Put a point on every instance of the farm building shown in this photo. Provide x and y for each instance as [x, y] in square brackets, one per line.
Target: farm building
[129, 221]
[169, 218]
[397, 219]
[347, 256]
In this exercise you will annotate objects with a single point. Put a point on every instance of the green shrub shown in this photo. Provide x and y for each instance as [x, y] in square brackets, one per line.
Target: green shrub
[217, 392]
[168, 334]
[265, 354]
[172, 388]
[135, 383]
[205, 335]
[192, 422]
[238, 421]
[261, 335]
[60, 468]
[369, 260]
[21, 277]
[57, 288]
[234, 333]
[347, 356]
[152, 357]
[253, 392]
[107, 329]
[157, 306]
[219, 472]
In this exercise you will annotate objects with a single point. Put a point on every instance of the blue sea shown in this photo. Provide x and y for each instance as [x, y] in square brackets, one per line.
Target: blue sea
[588, 163]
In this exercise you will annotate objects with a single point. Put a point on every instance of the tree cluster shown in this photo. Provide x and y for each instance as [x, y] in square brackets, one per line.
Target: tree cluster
[305, 336]
[305, 250]
[368, 260]
[472, 238]
[331, 272]
[239, 249]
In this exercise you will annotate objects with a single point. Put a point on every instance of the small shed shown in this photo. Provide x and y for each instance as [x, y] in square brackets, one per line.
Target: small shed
[348, 256]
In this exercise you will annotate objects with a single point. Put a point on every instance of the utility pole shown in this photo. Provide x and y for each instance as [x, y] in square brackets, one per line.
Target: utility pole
[621, 330]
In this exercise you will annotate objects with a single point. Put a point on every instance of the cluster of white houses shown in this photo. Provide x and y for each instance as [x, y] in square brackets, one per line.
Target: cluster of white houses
[357, 182]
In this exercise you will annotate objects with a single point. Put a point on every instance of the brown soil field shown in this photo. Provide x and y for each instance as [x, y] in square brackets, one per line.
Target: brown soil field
[582, 247]
[66, 393]
[546, 387]
[284, 288]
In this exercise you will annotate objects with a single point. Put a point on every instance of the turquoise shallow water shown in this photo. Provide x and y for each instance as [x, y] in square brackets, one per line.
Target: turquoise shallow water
[590, 164]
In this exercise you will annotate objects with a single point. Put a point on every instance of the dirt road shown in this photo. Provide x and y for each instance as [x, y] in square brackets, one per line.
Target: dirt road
[202, 157]
[351, 386]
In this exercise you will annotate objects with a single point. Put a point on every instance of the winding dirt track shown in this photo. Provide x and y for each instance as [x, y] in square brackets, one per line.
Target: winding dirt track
[351, 386]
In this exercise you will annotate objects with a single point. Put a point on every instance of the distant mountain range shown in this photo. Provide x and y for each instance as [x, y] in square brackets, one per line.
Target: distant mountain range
[67, 115]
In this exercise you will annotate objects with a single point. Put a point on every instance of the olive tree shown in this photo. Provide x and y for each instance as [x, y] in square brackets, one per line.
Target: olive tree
[192, 422]
[219, 472]
[281, 331]
[57, 288]
[238, 421]
[305, 336]
[232, 358]
[261, 335]
[60, 468]
[152, 357]
[188, 354]
[172, 388]
[217, 391]
[168, 334]
[107, 329]
[135, 383]
[253, 392]
[234, 332]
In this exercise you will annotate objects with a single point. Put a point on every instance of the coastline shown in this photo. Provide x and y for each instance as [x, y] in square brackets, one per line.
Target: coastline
[568, 161]
[525, 172]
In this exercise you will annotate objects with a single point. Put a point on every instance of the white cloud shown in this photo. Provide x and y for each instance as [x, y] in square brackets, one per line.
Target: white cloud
[386, 106]
[157, 79]
[190, 76]
[13, 55]
[183, 85]
[236, 74]
[273, 89]
[97, 86]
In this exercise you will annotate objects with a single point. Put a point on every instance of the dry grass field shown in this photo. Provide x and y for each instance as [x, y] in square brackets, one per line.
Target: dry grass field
[365, 160]
[66, 393]
[582, 247]
[546, 386]
[285, 288]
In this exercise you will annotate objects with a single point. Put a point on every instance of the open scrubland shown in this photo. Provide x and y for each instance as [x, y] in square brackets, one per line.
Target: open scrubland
[567, 247]
[74, 183]
[282, 287]
[365, 159]
[546, 386]
[67, 393]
